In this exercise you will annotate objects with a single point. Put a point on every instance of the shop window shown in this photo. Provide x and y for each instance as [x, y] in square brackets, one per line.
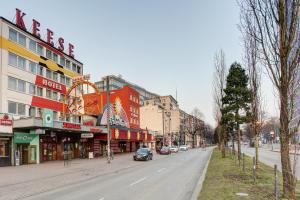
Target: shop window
[32, 67]
[12, 83]
[31, 89]
[48, 54]
[21, 86]
[55, 57]
[22, 39]
[12, 107]
[12, 59]
[4, 148]
[32, 111]
[32, 45]
[55, 76]
[48, 74]
[48, 94]
[21, 63]
[40, 50]
[21, 109]
[13, 35]
[62, 61]
[39, 91]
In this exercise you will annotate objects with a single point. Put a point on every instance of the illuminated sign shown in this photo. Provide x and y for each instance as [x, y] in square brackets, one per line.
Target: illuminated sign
[71, 125]
[96, 130]
[36, 32]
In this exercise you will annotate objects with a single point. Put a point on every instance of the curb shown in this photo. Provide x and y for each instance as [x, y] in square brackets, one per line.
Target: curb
[198, 187]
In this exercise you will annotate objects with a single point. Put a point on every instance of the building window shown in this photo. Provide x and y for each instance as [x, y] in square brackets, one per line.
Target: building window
[39, 91]
[55, 76]
[55, 115]
[62, 79]
[21, 63]
[48, 54]
[68, 64]
[21, 86]
[55, 57]
[54, 96]
[40, 50]
[68, 81]
[32, 45]
[39, 112]
[73, 67]
[48, 74]
[78, 69]
[32, 111]
[12, 59]
[40, 70]
[31, 89]
[12, 83]
[22, 39]
[62, 97]
[62, 61]
[12, 107]
[48, 94]
[13, 35]
[32, 67]
[21, 109]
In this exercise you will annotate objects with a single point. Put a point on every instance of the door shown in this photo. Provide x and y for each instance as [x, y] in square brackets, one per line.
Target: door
[24, 154]
[32, 154]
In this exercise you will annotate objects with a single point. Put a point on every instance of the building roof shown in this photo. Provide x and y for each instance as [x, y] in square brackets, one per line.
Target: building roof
[27, 32]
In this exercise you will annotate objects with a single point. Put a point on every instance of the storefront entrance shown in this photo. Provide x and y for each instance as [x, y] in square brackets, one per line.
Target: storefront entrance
[5, 152]
[26, 148]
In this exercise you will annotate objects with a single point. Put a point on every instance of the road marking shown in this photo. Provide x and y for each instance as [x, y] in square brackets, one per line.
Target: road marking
[138, 181]
[160, 170]
[101, 198]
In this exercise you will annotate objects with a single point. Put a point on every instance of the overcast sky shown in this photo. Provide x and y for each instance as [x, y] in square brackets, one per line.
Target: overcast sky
[160, 45]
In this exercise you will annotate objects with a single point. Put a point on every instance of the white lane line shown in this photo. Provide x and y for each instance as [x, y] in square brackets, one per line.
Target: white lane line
[101, 198]
[160, 170]
[138, 181]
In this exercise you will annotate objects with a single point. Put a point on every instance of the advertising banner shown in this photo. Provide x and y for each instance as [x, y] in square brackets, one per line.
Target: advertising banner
[92, 104]
[48, 118]
[6, 123]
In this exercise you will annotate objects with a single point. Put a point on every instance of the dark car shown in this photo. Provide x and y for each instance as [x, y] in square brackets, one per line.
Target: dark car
[143, 154]
[165, 151]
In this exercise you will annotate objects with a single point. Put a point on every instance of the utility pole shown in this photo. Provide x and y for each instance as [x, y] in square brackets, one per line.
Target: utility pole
[108, 123]
[163, 118]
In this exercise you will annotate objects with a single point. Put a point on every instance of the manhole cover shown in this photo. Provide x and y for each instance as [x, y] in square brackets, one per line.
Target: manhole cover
[241, 194]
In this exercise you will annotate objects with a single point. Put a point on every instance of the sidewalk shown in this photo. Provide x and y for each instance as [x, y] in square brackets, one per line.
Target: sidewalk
[23, 181]
[276, 148]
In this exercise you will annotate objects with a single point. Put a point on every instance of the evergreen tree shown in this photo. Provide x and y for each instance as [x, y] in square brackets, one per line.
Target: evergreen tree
[236, 101]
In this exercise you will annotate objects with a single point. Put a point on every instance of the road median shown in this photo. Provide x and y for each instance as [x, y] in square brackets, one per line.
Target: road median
[226, 179]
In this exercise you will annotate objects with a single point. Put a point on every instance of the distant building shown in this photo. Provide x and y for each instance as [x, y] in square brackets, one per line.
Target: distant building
[117, 82]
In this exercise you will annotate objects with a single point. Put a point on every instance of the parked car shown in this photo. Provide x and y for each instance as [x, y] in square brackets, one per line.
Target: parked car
[174, 149]
[183, 148]
[165, 150]
[143, 154]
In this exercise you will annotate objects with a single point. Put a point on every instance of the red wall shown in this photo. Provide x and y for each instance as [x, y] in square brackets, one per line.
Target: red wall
[124, 95]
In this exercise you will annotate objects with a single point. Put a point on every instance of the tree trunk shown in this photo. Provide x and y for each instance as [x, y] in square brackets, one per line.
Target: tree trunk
[287, 175]
[239, 146]
[256, 150]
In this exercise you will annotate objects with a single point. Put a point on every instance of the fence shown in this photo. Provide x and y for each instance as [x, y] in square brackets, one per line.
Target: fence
[265, 178]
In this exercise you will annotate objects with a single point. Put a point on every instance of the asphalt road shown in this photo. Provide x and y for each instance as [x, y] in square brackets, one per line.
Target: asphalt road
[271, 158]
[165, 177]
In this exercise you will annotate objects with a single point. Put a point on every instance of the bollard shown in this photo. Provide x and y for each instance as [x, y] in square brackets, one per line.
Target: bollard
[276, 182]
[243, 162]
[254, 171]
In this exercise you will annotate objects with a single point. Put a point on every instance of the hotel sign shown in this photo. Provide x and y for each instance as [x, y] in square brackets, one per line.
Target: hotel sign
[6, 123]
[43, 82]
[36, 32]
[71, 125]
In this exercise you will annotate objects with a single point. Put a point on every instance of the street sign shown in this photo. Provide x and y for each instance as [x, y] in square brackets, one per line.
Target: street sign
[87, 135]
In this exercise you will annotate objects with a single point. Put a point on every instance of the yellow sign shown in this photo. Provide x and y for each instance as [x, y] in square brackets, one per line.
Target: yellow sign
[117, 133]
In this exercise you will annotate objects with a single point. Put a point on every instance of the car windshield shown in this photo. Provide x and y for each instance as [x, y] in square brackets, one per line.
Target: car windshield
[142, 151]
[165, 148]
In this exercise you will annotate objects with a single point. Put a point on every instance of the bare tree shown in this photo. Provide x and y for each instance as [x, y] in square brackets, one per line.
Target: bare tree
[219, 83]
[278, 36]
[251, 52]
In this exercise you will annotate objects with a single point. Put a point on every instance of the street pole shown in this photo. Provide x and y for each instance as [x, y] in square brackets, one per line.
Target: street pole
[163, 118]
[108, 123]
